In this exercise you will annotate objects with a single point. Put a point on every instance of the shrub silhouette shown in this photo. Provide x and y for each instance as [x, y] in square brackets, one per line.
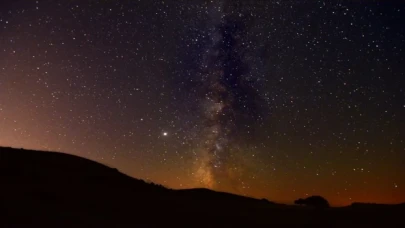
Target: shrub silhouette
[313, 201]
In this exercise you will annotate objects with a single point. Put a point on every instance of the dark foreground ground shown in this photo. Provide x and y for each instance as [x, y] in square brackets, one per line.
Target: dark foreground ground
[44, 189]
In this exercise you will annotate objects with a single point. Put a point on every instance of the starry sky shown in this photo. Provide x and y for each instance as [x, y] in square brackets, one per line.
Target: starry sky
[269, 99]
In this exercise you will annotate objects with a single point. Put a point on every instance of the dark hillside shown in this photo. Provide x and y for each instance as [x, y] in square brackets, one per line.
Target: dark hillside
[46, 185]
[48, 189]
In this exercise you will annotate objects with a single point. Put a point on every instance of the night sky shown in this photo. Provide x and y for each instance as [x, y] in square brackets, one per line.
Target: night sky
[274, 99]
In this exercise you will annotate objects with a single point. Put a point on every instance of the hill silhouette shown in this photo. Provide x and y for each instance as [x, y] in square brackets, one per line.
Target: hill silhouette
[50, 189]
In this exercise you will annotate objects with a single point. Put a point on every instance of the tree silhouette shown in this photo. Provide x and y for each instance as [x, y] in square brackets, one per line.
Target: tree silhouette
[313, 201]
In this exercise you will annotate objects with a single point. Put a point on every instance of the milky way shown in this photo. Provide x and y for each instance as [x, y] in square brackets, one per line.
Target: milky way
[270, 99]
[229, 100]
